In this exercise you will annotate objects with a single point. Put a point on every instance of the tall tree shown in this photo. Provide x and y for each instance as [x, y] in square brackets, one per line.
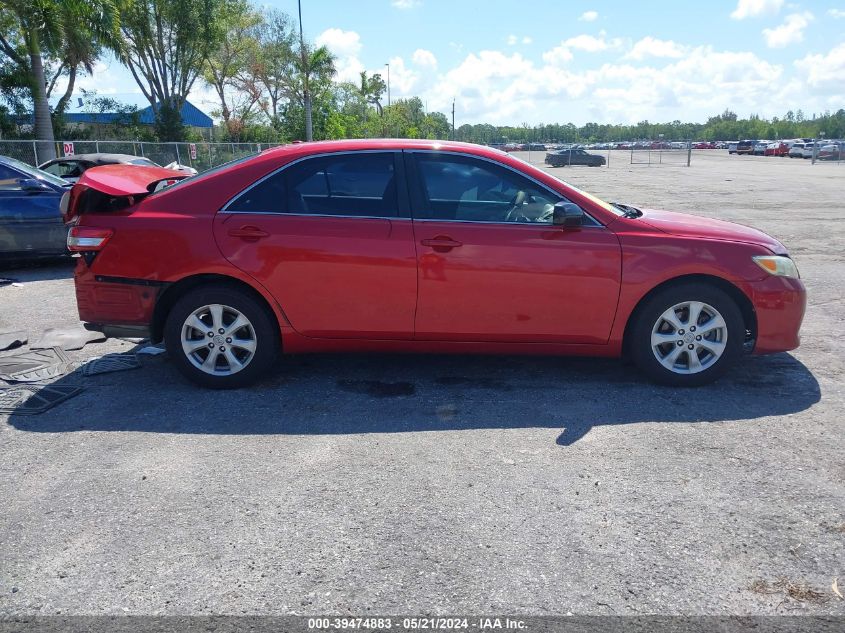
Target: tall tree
[45, 28]
[372, 89]
[228, 67]
[165, 45]
[274, 63]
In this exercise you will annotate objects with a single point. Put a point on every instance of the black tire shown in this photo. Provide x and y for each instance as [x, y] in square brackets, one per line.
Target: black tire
[647, 316]
[264, 325]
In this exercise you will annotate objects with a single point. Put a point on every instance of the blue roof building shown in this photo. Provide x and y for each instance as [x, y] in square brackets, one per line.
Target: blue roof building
[191, 116]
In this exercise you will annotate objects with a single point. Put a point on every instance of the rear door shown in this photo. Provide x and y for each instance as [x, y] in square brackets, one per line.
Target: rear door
[330, 237]
[492, 267]
[30, 222]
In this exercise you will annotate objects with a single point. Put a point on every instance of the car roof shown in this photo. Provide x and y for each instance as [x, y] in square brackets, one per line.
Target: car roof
[387, 144]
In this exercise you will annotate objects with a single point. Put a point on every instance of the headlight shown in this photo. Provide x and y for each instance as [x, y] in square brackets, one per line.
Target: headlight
[777, 265]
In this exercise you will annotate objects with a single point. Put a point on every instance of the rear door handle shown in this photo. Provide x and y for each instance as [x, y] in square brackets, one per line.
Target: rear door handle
[248, 233]
[441, 244]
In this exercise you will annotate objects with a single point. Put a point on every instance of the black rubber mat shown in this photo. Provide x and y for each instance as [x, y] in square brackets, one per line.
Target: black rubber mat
[11, 340]
[109, 363]
[34, 399]
[34, 365]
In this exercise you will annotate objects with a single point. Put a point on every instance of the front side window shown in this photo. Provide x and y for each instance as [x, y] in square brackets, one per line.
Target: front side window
[468, 189]
[10, 180]
[362, 185]
[68, 169]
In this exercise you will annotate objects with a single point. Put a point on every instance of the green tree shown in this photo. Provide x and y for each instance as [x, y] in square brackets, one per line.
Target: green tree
[165, 45]
[68, 30]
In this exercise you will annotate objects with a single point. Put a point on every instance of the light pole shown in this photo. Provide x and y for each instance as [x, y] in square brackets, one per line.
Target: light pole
[309, 131]
[388, 85]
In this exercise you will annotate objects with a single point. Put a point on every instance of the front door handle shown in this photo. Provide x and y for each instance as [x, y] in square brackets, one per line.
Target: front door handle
[248, 233]
[441, 243]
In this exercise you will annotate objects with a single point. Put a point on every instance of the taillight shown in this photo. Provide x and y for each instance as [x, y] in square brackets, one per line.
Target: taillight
[87, 238]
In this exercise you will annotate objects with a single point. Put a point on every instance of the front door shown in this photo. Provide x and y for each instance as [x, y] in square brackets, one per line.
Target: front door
[493, 267]
[331, 240]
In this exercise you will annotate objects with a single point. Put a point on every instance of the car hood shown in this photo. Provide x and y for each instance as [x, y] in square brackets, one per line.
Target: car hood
[685, 225]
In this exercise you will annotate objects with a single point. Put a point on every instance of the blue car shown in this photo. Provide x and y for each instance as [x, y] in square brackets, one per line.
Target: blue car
[30, 220]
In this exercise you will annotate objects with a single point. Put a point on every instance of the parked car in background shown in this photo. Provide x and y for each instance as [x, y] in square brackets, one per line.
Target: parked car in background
[732, 147]
[417, 246]
[797, 150]
[809, 149]
[30, 220]
[759, 148]
[776, 149]
[831, 151]
[565, 157]
[536, 147]
[70, 168]
[745, 147]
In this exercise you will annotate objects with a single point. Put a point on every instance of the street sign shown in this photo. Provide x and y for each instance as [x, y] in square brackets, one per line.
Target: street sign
[192, 148]
[67, 148]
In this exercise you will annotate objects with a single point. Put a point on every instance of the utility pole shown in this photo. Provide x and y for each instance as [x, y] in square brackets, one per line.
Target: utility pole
[388, 85]
[309, 131]
[453, 118]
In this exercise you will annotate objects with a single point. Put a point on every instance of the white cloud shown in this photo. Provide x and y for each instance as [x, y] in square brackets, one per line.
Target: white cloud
[790, 32]
[405, 4]
[422, 57]
[753, 8]
[653, 47]
[825, 72]
[346, 45]
[836, 13]
[558, 56]
[589, 16]
[591, 44]
[513, 40]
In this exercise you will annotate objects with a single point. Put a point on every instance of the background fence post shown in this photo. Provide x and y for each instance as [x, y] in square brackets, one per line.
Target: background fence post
[689, 152]
[178, 160]
[35, 151]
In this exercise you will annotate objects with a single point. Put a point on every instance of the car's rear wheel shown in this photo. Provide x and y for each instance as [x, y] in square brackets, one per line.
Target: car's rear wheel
[687, 335]
[221, 337]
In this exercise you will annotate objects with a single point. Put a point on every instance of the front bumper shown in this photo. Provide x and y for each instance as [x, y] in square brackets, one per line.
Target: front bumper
[779, 303]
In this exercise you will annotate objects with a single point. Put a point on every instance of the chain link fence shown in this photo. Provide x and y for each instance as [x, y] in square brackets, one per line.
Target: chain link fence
[677, 153]
[201, 156]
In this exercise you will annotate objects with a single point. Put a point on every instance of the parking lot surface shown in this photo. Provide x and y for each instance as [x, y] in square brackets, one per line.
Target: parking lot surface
[376, 484]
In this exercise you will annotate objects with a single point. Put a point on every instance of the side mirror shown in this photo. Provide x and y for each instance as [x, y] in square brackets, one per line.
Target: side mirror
[567, 215]
[33, 185]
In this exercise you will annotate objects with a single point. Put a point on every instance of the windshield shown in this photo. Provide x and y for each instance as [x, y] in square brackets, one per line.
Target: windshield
[29, 170]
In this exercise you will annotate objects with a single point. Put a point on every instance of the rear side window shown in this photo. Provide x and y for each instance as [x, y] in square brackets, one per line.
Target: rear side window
[9, 179]
[361, 184]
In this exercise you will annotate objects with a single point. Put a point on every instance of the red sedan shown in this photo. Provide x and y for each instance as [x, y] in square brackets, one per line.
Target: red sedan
[417, 246]
[776, 149]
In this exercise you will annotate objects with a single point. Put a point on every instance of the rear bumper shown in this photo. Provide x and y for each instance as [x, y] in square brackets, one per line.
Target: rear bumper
[779, 303]
[114, 301]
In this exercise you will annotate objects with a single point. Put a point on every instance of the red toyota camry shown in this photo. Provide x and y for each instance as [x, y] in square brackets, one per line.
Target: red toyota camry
[417, 246]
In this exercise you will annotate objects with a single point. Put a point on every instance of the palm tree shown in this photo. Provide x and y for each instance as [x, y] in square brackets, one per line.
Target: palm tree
[47, 27]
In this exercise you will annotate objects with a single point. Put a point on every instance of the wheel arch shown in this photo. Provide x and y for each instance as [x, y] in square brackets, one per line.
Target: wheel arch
[743, 302]
[168, 298]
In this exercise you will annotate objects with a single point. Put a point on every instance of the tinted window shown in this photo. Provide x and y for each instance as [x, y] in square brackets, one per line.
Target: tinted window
[9, 179]
[346, 184]
[468, 189]
[69, 169]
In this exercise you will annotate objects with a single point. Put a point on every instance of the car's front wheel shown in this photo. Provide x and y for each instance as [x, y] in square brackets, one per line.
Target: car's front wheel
[687, 335]
[221, 337]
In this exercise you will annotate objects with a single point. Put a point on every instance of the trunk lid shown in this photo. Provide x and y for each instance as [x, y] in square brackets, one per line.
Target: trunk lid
[114, 188]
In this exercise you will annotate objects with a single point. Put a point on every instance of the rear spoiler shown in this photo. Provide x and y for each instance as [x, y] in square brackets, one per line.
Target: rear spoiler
[115, 187]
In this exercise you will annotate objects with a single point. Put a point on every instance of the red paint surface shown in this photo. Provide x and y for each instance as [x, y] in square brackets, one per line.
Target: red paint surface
[354, 284]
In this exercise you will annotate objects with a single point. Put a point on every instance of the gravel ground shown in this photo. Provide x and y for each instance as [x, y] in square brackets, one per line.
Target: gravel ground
[379, 484]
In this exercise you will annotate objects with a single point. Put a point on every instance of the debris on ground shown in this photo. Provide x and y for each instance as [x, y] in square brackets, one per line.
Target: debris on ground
[12, 340]
[110, 363]
[34, 365]
[68, 338]
[152, 350]
[798, 591]
[34, 399]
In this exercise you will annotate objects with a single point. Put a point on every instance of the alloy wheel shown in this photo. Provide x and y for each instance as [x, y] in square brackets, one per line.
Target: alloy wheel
[689, 337]
[218, 340]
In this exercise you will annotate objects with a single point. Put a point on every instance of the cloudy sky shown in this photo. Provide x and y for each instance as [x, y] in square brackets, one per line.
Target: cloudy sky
[543, 61]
